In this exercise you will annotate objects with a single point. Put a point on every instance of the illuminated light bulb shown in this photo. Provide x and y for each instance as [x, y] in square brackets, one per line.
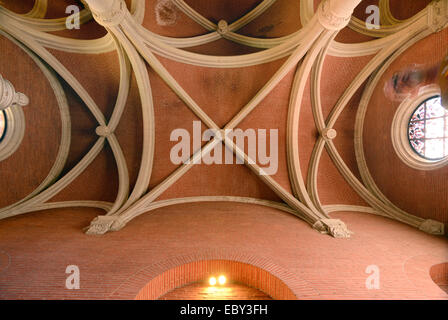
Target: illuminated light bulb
[222, 280]
[212, 281]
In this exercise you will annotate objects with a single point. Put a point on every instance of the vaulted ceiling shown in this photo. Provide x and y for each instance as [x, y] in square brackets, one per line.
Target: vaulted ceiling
[105, 98]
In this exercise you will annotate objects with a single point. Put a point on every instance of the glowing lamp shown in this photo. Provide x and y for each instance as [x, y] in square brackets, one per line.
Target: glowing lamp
[222, 280]
[212, 281]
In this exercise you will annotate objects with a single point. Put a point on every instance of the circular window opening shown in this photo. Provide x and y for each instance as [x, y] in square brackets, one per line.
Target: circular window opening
[12, 130]
[419, 130]
[428, 130]
[3, 125]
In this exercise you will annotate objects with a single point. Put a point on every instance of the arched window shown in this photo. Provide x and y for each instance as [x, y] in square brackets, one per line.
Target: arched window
[428, 129]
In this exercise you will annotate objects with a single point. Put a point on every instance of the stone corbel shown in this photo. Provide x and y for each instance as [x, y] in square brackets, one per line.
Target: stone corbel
[432, 227]
[438, 15]
[117, 225]
[336, 14]
[333, 227]
[9, 97]
[100, 225]
[103, 224]
[107, 12]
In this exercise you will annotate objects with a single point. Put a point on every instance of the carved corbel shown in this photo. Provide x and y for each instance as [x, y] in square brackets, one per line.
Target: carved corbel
[432, 227]
[103, 224]
[117, 225]
[100, 225]
[9, 97]
[438, 15]
[333, 227]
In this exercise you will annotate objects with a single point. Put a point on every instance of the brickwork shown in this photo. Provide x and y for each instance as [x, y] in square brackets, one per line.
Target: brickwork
[35, 250]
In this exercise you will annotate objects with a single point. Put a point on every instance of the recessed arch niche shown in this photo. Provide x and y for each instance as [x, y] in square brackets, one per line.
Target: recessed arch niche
[238, 272]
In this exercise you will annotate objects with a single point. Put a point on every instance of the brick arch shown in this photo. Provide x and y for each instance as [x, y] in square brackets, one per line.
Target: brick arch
[157, 279]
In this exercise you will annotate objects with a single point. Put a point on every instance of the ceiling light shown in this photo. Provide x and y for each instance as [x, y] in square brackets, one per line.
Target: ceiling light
[222, 280]
[212, 281]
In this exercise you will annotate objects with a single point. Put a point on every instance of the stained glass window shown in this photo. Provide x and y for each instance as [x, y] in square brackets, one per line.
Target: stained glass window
[428, 129]
[2, 124]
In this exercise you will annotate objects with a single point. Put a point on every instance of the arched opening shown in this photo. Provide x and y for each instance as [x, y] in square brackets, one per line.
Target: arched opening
[191, 281]
[439, 274]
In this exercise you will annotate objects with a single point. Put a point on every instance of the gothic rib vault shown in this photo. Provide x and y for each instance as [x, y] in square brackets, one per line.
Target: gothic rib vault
[137, 47]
